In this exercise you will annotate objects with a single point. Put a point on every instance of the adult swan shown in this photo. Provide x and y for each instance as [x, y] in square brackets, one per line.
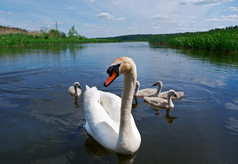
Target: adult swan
[108, 117]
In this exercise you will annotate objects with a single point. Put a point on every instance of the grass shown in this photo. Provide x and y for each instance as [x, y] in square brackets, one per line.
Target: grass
[23, 40]
[217, 40]
[15, 37]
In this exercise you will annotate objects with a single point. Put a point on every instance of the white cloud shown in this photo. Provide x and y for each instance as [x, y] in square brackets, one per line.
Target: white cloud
[213, 20]
[223, 18]
[192, 17]
[230, 18]
[133, 27]
[233, 8]
[109, 16]
[10, 13]
[159, 17]
[115, 2]
[204, 2]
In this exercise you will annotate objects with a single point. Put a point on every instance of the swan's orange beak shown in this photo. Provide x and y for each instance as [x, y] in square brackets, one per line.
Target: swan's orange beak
[110, 78]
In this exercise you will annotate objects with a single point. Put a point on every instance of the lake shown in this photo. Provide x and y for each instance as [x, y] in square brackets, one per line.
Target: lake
[40, 122]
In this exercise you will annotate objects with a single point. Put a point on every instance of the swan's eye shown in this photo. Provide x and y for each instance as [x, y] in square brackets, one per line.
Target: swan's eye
[115, 68]
[113, 72]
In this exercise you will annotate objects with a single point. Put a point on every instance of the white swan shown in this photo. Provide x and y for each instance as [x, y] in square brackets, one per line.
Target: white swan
[164, 94]
[108, 117]
[75, 90]
[160, 102]
[143, 92]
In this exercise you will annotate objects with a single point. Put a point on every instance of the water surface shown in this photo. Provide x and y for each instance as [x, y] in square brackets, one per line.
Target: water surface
[39, 120]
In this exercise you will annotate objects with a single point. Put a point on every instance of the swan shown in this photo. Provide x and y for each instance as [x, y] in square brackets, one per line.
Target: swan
[108, 117]
[164, 94]
[75, 90]
[160, 102]
[143, 92]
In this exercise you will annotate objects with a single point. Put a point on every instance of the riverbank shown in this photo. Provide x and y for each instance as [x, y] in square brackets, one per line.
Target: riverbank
[213, 40]
[26, 40]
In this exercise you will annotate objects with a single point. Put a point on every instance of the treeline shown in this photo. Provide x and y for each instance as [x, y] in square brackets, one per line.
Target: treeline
[128, 38]
[217, 39]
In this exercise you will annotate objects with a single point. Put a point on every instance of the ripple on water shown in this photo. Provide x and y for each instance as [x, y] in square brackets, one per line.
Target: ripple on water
[232, 124]
[198, 94]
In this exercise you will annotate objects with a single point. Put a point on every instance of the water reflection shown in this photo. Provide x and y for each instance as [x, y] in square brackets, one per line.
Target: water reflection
[232, 124]
[76, 100]
[46, 49]
[170, 119]
[230, 59]
[135, 102]
[232, 105]
[96, 151]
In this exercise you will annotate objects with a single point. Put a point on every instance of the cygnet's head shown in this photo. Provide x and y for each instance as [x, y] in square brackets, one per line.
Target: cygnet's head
[137, 83]
[77, 84]
[158, 83]
[172, 93]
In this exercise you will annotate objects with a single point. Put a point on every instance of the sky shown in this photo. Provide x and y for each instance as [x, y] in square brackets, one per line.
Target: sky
[109, 18]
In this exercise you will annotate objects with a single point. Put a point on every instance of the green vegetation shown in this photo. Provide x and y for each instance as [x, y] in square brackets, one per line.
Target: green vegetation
[214, 40]
[218, 40]
[132, 38]
[14, 37]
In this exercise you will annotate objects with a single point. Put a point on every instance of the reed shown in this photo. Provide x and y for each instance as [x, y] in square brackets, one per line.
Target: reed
[218, 39]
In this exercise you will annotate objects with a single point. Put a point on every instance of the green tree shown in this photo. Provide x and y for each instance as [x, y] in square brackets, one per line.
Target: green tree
[72, 32]
[54, 33]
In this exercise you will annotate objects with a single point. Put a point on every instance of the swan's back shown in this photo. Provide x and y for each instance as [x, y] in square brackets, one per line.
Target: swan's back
[71, 91]
[164, 95]
[143, 92]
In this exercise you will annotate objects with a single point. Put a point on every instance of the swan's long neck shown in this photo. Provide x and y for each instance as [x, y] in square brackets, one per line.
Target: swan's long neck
[126, 135]
[137, 88]
[76, 91]
[169, 99]
[158, 90]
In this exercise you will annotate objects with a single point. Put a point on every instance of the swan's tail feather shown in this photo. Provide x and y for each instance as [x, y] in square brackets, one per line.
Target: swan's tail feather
[91, 94]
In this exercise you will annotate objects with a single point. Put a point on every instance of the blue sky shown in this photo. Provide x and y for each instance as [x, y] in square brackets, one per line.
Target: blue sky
[105, 18]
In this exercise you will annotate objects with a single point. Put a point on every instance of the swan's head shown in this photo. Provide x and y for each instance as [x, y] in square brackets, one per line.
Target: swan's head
[137, 83]
[122, 65]
[77, 85]
[172, 93]
[158, 83]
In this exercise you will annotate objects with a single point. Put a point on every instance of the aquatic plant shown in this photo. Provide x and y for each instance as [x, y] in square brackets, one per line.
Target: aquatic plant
[218, 39]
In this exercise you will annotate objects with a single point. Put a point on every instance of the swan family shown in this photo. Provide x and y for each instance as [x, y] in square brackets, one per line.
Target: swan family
[108, 117]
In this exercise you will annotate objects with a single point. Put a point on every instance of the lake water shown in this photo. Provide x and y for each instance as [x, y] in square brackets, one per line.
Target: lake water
[39, 120]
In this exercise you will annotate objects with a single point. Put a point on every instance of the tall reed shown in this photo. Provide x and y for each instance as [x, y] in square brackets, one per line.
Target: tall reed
[219, 39]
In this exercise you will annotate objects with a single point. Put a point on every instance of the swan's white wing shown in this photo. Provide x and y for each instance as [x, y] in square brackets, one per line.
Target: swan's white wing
[112, 104]
[146, 92]
[164, 95]
[155, 100]
[98, 122]
[71, 90]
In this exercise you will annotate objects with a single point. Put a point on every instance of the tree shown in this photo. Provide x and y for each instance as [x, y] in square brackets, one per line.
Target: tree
[54, 33]
[72, 32]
